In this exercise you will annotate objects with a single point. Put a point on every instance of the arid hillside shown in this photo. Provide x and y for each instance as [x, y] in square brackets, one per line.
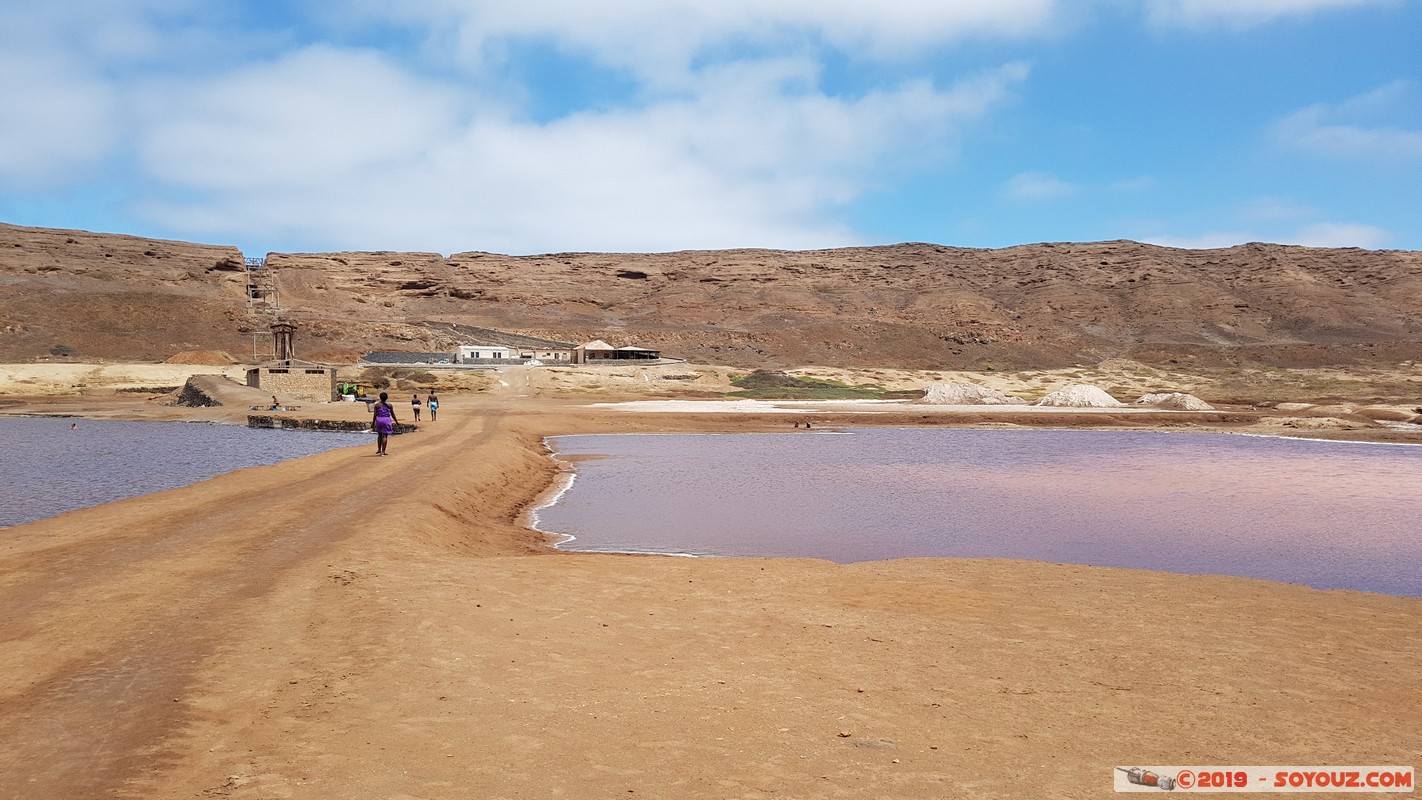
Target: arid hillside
[908, 305]
[108, 296]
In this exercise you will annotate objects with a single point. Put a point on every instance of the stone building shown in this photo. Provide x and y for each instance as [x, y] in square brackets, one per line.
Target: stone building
[599, 352]
[292, 378]
[596, 350]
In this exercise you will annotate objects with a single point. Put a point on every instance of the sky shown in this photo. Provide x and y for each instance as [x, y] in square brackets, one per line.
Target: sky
[543, 126]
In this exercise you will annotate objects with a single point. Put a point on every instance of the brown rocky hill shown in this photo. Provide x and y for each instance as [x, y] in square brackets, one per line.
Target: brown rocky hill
[908, 305]
[111, 296]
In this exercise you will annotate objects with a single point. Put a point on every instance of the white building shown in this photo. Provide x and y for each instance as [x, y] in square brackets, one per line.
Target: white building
[480, 352]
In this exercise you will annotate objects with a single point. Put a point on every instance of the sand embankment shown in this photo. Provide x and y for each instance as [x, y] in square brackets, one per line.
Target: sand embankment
[344, 626]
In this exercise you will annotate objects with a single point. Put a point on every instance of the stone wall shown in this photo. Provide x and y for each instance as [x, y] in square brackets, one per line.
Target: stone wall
[193, 395]
[307, 424]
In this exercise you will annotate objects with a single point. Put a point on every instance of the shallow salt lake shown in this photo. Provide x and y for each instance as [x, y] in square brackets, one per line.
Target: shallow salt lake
[1325, 514]
[52, 469]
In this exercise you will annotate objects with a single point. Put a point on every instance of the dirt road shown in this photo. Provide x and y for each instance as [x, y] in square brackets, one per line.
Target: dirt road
[345, 626]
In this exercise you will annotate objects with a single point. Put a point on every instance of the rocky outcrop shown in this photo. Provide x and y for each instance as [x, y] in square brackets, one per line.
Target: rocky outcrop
[1177, 401]
[195, 395]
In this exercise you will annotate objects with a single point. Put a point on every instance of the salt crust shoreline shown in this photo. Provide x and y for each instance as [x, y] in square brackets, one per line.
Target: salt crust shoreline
[747, 406]
[561, 481]
[560, 487]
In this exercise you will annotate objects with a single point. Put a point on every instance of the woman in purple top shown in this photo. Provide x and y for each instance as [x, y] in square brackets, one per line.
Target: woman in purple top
[384, 423]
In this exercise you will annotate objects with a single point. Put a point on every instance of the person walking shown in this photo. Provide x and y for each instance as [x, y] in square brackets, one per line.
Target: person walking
[433, 402]
[415, 405]
[383, 421]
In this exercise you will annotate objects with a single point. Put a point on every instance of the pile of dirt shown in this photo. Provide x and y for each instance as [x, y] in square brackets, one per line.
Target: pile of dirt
[1080, 395]
[966, 394]
[1179, 401]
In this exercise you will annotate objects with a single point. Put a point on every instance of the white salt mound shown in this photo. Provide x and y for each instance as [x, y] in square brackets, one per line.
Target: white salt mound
[1080, 395]
[966, 394]
[1179, 401]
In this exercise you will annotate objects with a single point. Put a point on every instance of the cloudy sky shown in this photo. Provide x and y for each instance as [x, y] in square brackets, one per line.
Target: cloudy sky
[529, 126]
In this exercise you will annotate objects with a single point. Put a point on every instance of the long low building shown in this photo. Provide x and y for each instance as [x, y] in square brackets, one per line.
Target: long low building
[480, 352]
[594, 352]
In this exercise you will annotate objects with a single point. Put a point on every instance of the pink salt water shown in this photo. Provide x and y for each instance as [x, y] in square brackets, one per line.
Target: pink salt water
[1326, 514]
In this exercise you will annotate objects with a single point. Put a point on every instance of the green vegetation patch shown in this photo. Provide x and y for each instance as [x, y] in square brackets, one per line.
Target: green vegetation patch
[397, 377]
[770, 385]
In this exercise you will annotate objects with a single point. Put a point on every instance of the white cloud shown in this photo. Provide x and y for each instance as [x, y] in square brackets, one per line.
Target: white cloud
[100, 30]
[345, 149]
[1205, 241]
[65, 77]
[724, 144]
[114, 38]
[319, 114]
[1282, 220]
[1311, 130]
[1321, 234]
[1341, 234]
[58, 120]
[1038, 187]
[658, 39]
[1275, 209]
[1033, 187]
[1242, 14]
[1364, 126]
[1384, 100]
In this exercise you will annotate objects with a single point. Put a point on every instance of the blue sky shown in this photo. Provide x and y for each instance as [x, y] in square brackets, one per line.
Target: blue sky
[654, 125]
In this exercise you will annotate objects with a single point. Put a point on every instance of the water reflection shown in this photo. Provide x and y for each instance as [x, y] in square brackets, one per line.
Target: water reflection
[52, 468]
[1329, 514]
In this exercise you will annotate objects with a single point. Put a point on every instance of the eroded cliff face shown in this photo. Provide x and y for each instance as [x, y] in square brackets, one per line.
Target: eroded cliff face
[909, 305]
[109, 296]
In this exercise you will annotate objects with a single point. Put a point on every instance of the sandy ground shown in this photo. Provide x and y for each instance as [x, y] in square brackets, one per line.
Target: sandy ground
[63, 379]
[344, 626]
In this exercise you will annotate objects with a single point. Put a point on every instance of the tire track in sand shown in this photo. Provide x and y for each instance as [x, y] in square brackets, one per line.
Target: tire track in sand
[102, 635]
